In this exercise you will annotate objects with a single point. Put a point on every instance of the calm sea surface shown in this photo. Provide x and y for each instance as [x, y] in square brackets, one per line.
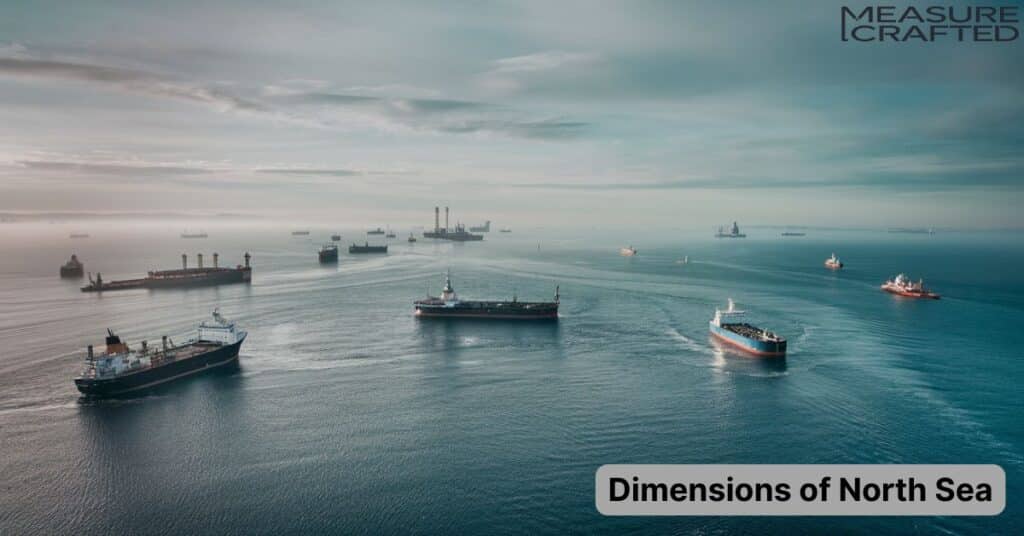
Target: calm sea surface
[348, 415]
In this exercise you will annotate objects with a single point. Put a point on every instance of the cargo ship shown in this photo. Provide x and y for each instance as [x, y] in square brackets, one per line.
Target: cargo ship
[833, 263]
[505, 230]
[377, 231]
[791, 233]
[903, 286]
[300, 233]
[328, 253]
[459, 234]
[628, 251]
[185, 277]
[485, 228]
[187, 234]
[448, 305]
[336, 238]
[727, 326]
[732, 232]
[367, 248]
[78, 235]
[120, 370]
[72, 269]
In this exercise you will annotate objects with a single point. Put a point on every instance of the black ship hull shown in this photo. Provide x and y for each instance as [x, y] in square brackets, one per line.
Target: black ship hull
[138, 381]
[192, 277]
[71, 273]
[491, 311]
[367, 249]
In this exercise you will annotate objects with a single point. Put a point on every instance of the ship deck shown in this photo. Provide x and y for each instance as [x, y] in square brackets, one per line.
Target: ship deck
[750, 332]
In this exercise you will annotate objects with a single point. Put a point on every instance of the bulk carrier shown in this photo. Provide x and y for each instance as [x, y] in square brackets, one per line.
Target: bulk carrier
[185, 277]
[120, 369]
[727, 327]
[448, 305]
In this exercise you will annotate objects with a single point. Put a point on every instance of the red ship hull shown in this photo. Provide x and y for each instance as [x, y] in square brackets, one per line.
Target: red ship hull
[909, 294]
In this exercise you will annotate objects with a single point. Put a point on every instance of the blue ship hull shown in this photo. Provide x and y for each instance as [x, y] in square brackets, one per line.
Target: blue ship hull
[750, 344]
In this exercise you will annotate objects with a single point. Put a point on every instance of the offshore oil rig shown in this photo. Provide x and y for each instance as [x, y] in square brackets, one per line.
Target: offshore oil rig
[185, 277]
[458, 234]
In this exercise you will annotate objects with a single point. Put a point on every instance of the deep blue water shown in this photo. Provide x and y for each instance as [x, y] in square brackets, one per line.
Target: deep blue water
[348, 415]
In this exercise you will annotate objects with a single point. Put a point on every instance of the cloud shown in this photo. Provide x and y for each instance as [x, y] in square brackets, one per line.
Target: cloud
[111, 168]
[516, 73]
[323, 172]
[541, 61]
[124, 79]
[453, 116]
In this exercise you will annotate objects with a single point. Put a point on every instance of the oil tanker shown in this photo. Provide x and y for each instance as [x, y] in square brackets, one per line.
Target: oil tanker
[448, 305]
[120, 370]
[185, 277]
[727, 327]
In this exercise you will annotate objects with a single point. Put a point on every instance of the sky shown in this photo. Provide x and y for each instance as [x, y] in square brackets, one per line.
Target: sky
[686, 114]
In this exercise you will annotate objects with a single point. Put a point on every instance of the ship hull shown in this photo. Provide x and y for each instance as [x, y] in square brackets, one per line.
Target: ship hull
[192, 277]
[747, 344]
[135, 382]
[915, 295]
[71, 273]
[541, 313]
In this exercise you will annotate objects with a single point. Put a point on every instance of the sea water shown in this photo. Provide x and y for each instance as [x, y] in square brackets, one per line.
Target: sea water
[346, 414]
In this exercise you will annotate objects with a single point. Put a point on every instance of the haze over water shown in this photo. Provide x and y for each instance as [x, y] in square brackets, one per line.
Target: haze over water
[348, 415]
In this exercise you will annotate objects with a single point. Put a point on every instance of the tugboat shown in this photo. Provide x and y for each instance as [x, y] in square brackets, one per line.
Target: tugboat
[628, 251]
[833, 263]
[903, 286]
[72, 269]
[411, 238]
[328, 253]
[120, 369]
[391, 234]
[727, 327]
[367, 248]
[732, 232]
[335, 237]
[448, 305]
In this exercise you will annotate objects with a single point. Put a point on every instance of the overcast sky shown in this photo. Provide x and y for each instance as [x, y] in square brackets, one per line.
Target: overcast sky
[675, 113]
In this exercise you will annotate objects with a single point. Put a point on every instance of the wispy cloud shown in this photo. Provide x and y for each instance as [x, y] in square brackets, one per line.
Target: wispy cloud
[125, 80]
[455, 116]
[541, 61]
[111, 168]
